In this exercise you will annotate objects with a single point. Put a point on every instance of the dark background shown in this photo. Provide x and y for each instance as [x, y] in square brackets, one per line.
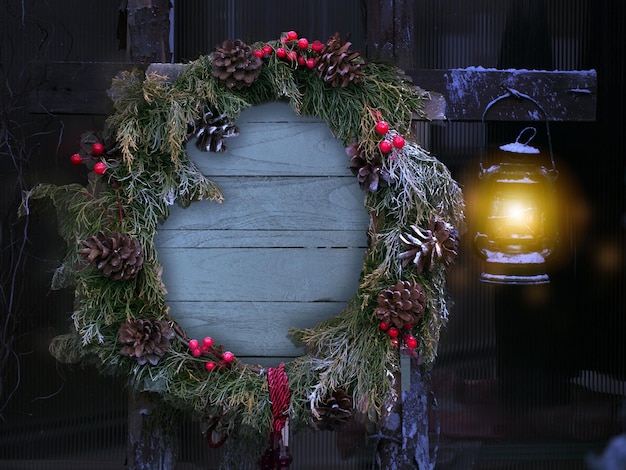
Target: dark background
[529, 377]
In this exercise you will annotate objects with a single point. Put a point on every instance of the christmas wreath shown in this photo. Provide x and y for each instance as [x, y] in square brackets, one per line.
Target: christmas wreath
[139, 168]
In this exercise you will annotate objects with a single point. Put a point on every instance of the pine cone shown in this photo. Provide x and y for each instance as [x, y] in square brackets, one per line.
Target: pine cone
[211, 130]
[334, 412]
[401, 304]
[337, 65]
[235, 64]
[426, 247]
[370, 173]
[117, 255]
[147, 340]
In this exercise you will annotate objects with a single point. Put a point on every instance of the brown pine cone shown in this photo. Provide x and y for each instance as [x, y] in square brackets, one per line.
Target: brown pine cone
[116, 254]
[369, 172]
[334, 412]
[439, 243]
[401, 304]
[235, 64]
[211, 130]
[145, 339]
[337, 65]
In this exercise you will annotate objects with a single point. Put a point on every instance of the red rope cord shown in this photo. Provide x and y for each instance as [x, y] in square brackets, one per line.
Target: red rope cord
[279, 395]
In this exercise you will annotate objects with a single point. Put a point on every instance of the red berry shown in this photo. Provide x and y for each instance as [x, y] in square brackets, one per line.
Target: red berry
[310, 63]
[382, 127]
[292, 35]
[398, 141]
[394, 342]
[317, 46]
[267, 50]
[193, 344]
[207, 341]
[196, 352]
[393, 332]
[303, 43]
[281, 53]
[100, 168]
[228, 356]
[411, 342]
[383, 326]
[97, 149]
[409, 326]
[258, 53]
[292, 55]
[76, 159]
[210, 365]
[385, 146]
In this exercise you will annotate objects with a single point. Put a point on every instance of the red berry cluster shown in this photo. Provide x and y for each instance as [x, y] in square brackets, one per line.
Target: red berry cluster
[391, 142]
[298, 50]
[218, 359]
[97, 150]
[408, 340]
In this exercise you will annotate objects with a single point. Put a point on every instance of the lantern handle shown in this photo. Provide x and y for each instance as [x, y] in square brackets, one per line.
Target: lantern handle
[512, 92]
[532, 136]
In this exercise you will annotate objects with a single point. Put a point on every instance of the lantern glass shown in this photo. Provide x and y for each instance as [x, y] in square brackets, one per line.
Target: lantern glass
[517, 231]
[515, 218]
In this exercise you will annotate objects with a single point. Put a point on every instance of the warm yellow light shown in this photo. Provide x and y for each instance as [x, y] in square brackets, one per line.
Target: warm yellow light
[514, 210]
[516, 230]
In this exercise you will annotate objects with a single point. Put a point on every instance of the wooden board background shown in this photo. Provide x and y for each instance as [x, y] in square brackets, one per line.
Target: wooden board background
[285, 248]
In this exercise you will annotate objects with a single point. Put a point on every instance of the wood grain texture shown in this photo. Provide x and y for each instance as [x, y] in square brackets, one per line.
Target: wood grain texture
[285, 249]
[74, 87]
[564, 95]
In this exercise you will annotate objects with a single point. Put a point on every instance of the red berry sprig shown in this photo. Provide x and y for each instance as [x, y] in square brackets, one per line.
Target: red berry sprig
[100, 168]
[299, 51]
[97, 149]
[76, 159]
[264, 52]
[217, 358]
[392, 142]
[395, 335]
[95, 153]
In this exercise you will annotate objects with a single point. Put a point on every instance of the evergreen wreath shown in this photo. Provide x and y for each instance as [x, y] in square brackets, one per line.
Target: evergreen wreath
[139, 168]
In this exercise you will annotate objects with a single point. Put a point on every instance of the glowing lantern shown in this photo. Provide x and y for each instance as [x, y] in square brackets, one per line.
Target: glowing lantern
[516, 226]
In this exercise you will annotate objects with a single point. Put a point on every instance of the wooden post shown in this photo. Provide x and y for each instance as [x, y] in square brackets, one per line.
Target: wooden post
[152, 426]
[152, 433]
[148, 31]
[390, 28]
[404, 443]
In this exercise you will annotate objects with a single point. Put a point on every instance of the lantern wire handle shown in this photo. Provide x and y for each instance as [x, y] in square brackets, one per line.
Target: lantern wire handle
[512, 92]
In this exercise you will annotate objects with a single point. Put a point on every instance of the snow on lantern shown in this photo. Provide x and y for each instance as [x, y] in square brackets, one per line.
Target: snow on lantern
[516, 226]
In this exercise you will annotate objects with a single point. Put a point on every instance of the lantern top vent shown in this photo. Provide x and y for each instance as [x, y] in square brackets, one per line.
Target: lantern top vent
[522, 147]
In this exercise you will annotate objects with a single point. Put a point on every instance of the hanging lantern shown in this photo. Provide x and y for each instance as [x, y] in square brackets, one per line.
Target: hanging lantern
[516, 226]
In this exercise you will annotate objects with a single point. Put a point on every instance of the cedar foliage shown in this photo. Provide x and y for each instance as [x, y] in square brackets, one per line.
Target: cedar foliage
[148, 169]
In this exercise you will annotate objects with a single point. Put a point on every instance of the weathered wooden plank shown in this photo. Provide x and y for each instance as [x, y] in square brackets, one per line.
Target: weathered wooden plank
[267, 323]
[285, 249]
[202, 238]
[564, 95]
[258, 274]
[74, 87]
[274, 141]
[273, 203]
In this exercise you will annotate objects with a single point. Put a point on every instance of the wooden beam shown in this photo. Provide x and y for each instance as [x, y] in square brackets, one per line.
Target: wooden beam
[563, 95]
[74, 87]
[456, 94]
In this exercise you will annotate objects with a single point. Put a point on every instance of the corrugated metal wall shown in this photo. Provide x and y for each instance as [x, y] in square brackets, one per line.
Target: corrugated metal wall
[200, 25]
